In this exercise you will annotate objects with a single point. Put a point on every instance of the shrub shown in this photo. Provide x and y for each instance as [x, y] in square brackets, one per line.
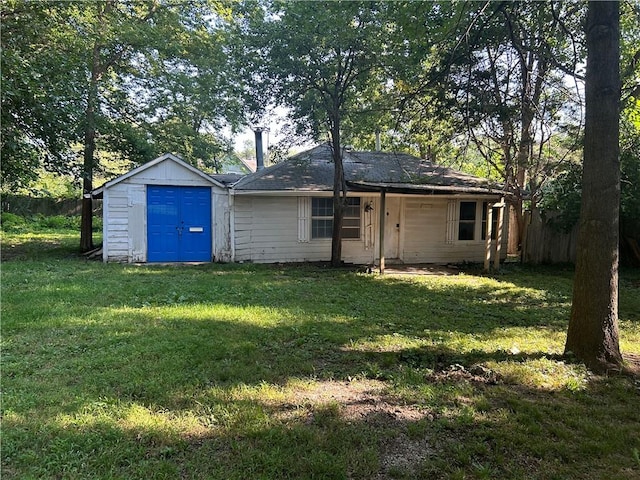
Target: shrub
[54, 221]
[11, 221]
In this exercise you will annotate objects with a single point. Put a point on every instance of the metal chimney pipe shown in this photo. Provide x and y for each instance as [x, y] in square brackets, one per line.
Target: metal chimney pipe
[378, 147]
[259, 150]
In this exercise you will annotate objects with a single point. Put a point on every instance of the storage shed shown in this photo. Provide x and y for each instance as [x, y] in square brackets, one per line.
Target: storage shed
[165, 211]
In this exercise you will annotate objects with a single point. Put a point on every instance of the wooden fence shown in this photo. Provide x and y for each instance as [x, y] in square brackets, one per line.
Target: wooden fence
[545, 243]
[24, 205]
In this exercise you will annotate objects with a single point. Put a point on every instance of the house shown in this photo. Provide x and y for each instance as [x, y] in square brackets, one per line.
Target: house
[431, 214]
[400, 209]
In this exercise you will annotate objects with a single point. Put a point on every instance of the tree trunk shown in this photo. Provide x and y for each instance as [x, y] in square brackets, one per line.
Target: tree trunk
[339, 188]
[593, 327]
[86, 219]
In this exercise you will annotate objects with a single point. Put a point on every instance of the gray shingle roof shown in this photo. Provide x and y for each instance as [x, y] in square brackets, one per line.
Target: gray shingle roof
[228, 178]
[312, 170]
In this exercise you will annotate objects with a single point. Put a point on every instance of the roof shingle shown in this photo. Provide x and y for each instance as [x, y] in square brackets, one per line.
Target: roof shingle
[312, 170]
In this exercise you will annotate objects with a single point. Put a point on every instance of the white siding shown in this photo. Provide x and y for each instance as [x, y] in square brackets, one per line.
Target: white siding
[220, 218]
[167, 173]
[267, 230]
[137, 223]
[116, 224]
[430, 238]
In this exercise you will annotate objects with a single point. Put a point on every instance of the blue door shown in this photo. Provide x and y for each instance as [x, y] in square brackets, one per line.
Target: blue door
[178, 224]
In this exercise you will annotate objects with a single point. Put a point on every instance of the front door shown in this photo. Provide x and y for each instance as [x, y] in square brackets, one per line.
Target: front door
[392, 228]
[178, 224]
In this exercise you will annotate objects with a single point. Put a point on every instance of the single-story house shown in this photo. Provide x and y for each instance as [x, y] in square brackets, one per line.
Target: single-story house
[400, 209]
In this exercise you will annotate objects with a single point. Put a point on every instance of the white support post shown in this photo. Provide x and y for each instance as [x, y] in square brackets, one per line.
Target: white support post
[487, 233]
[499, 228]
[383, 210]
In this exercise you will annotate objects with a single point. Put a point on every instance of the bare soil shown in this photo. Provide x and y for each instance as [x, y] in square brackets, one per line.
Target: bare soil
[365, 401]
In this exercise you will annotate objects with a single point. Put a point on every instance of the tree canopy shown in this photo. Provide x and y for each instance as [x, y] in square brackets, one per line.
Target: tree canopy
[323, 61]
[41, 90]
[493, 88]
[83, 81]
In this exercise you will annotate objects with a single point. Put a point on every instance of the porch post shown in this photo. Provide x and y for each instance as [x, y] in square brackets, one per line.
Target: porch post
[383, 209]
[487, 236]
[499, 228]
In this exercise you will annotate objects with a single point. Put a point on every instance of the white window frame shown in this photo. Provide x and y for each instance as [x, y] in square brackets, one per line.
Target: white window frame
[475, 221]
[306, 220]
[321, 218]
[452, 234]
[358, 218]
[494, 220]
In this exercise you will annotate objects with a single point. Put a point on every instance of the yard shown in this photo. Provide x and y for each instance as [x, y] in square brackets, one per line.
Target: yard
[271, 372]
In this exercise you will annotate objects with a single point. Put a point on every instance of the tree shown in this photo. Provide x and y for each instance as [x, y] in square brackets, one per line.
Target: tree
[562, 194]
[116, 33]
[491, 86]
[511, 92]
[406, 112]
[592, 335]
[113, 78]
[193, 94]
[320, 60]
[41, 75]
[157, 78]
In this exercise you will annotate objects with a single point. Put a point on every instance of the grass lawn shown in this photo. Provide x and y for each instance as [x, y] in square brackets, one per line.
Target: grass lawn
[297, 372]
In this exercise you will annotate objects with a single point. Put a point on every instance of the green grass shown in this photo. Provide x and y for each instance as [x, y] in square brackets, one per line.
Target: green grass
[271, 372]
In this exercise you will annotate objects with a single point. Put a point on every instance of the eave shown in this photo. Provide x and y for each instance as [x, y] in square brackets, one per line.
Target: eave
[424, 189]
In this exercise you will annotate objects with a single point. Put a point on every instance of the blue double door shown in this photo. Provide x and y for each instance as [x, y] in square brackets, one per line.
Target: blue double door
[178, 224]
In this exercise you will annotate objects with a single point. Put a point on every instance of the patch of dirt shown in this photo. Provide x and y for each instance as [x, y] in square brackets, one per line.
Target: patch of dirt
[632, 366]
[475, 373]
[402, 455]
[365, 401]
[357, 400]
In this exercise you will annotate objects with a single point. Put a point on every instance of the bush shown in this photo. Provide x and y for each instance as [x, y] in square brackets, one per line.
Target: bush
[11, 221]
[54, 221]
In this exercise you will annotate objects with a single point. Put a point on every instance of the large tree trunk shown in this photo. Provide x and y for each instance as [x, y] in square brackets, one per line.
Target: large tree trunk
[593, 327]
[86, 219]
[339, 190]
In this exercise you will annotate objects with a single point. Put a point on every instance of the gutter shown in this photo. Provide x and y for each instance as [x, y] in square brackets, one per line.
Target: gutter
[424, 189]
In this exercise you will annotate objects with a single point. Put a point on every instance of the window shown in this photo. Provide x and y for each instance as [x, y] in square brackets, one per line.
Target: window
[322, 218]
[495, 211]
[467, 221]
[351, 220]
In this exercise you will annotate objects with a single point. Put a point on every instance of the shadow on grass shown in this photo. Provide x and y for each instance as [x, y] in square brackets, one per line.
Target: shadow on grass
[142, 332]
[121, 371]
[460, 426]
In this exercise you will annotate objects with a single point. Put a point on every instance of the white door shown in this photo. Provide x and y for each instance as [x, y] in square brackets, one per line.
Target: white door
[392, 228]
